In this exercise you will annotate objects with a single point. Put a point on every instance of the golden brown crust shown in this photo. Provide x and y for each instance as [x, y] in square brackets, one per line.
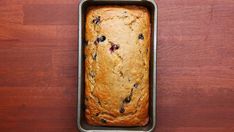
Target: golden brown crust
[117, 65]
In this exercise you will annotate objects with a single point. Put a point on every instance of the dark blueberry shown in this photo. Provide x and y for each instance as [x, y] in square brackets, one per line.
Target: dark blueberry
[141, 36]
[100, 39]
[94, 56]
[114, 47]
[97, 114]
[103, 121]
[97, 20]
[122, 110]
[136, 85]
[127, 99]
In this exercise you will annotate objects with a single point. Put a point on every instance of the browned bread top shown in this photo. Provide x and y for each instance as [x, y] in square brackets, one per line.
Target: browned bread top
[117, 65]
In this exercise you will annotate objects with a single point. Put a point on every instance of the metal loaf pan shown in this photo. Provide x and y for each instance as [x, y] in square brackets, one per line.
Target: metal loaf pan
[81, 122]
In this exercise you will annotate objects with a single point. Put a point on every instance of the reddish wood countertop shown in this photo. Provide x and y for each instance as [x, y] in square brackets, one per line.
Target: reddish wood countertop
[38, 61]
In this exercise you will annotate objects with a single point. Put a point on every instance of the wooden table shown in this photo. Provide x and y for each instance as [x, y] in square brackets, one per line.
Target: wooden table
[38, 66]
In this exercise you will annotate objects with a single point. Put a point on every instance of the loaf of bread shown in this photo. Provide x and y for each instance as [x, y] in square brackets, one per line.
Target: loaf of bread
[117, 50]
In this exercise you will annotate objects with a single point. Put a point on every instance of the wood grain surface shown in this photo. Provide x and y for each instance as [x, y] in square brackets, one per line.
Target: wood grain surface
[38, 66]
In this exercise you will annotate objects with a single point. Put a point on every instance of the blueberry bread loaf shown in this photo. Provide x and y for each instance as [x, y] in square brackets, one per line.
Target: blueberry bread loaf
[117, 65]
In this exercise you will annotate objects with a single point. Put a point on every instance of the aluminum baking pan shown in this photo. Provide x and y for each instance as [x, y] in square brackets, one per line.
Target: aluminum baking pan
[81, 122]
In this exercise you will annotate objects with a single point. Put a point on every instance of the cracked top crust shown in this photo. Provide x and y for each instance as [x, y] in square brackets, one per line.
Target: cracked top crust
[117, 65]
